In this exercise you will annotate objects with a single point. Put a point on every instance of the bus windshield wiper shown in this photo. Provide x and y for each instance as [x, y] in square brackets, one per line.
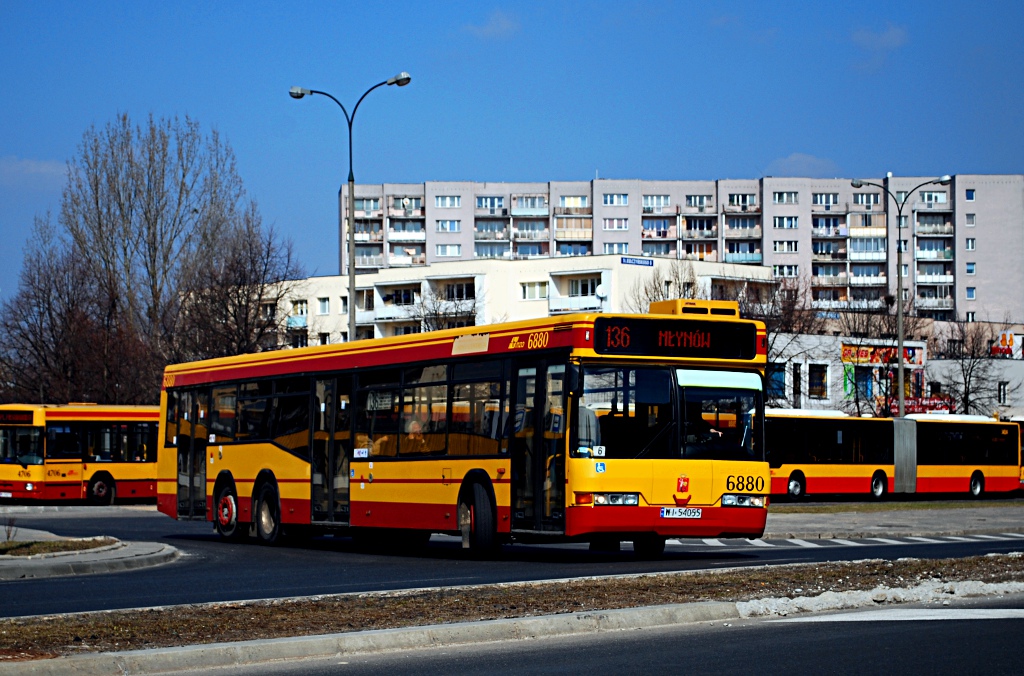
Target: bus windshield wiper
[657, 436]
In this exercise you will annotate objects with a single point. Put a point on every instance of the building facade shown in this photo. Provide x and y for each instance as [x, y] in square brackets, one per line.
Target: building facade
[963, 243]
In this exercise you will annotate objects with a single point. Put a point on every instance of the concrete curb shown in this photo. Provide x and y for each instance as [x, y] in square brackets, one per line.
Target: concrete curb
[127, 556]
[164, 660]
[877, 533]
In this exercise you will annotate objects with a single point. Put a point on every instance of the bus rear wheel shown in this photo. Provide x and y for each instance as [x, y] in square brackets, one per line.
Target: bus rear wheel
[102, 490]
[226, 516]
[879, 483]
[268, 515]
[796, 488]
[977, 484]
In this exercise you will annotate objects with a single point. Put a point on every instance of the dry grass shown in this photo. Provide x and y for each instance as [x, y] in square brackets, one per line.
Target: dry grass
[41, 637]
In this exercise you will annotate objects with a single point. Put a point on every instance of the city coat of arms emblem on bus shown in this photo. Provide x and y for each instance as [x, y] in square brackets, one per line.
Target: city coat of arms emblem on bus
[683, 484]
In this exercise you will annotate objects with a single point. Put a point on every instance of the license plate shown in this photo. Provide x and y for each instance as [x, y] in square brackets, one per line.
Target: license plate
[680, 512]
[5, 494]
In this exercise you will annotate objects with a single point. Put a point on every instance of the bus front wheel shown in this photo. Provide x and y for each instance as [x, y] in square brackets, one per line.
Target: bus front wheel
[796, 487]
[477, 522]
[649, 546]
[268, 515]
[977, 484]
[879, 483]
[226, 516]
[102, 490]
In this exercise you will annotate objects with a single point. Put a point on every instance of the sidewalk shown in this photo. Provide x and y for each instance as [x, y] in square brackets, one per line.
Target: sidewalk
[896, 523]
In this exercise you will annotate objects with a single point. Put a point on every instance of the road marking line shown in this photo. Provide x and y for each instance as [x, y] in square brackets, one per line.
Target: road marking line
[918, 538]
[759, 543]
[1012, 535]
[714, 542]
[804, 543]
[989, 537]
[887, 541]
[916, 615]
[958, 538]
[848, 543]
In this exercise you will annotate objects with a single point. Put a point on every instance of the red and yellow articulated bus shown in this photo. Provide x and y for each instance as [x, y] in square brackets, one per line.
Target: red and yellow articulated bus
[828, 452]
[581, 427]
[77, 452]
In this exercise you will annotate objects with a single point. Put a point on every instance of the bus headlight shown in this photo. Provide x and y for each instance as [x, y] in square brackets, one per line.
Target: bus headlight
[604, 499]
[29, 486]
[731, 500]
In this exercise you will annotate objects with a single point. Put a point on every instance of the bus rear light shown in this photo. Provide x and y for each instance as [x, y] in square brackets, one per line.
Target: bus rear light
[730, 500]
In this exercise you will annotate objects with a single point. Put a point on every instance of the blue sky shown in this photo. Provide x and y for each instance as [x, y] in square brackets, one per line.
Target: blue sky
[511, 91]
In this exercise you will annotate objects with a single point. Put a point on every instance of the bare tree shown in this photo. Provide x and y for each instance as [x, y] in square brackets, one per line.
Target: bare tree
[679, 281]
[446, 308]
[966, 370]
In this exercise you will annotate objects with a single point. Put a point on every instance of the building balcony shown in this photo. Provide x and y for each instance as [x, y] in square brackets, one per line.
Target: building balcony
[868, 256]
[934, 279]
[372, 214]
[370, 261]
[868, 280]
[490, 235]
[835, 209]
[929, 229]
[829, 280]
[666, 210]
[533, 212]
[574, 234]
[491, 211]
[708, 209]
[649, 233]
[933, 303]
[377, 236]
[711, 256]
[393, 312]
[407, 236]
[701, 234]
[933, 206]
[830, 304]
[743, 233]
[531, 235]
[365, 316]
[296, 322]
[864, 208]
[405, 261]
[744, 257]
[573, 303]
[403, 212]
[865, 304]
[933, 254]
[829, 255]
[742, 208]
[573, 211]
[873, 231]
[829, 233]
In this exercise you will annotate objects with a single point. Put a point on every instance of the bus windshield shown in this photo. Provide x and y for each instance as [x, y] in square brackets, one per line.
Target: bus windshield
[637, 411]
[22, 445]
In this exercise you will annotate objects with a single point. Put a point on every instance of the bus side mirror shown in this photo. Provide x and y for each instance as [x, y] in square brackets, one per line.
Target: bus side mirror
[572, 378]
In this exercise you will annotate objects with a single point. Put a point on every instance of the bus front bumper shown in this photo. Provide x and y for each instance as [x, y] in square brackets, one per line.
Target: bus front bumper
[696, 521]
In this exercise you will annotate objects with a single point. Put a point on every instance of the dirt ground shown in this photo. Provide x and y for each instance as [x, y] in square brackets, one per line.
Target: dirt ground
[51, 636]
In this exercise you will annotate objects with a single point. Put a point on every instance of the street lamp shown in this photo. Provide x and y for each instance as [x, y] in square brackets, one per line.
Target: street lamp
[857, 183]
[401, 80]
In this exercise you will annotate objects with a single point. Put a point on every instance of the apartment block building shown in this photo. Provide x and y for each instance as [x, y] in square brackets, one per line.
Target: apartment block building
[963, 243]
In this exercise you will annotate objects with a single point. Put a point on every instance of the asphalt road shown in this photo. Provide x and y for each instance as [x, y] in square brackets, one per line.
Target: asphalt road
[214, 570]
[973, 637]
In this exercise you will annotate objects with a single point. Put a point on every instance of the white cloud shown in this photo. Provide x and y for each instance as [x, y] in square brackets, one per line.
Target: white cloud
[878, 45]
[499, 25]
[803, 165]
[31, 174]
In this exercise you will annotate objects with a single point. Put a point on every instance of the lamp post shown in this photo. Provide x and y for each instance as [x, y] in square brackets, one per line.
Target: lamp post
[401, 80]
[857, 183]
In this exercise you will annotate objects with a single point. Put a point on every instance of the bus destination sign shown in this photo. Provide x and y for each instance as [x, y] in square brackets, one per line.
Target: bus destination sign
[15, 417]
[674, 338]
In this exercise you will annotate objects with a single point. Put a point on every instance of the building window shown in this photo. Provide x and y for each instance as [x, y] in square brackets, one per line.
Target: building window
[787, 222]
[449, 226]
[323, 306]
[299, 308]
[534, 290]
[971, 220]
[970, 317]
[617, 199]
[656, 201]
[268, 310]
[933, 197]
[742, 199]
[448, 201]
[817, 381]
[785, 246]
[407, 202]
[825, 198]
[343, 305]
[584, 287]
[902, 222]
[865, 198]
[785, 198]
[657, 248]
[741, 223]
[573, 249]
[574, 201]
[616, 247]
[490, 202]
[785, 270]
[1002, 388]
[970, 194]
[616, 224]
[698, 200]
[368, 204]
[449, 250]
[299, 339]
[971, 293]
[970, 244]
[324, 338]
[776, 377]
[460, 291]
[531, 201]
[970, 268]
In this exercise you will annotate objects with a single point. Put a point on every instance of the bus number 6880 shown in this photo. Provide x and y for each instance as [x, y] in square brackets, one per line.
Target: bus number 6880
[744, 483]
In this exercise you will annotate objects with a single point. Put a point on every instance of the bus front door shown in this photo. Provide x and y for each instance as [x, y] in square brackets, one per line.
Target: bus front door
[193, 412]
[538, 448]
[331, 433]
